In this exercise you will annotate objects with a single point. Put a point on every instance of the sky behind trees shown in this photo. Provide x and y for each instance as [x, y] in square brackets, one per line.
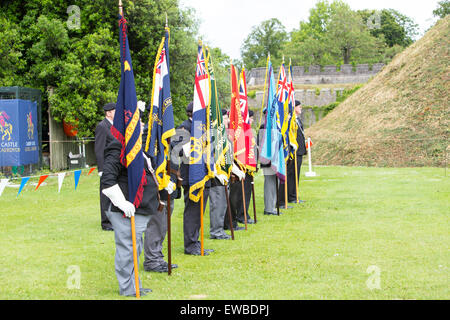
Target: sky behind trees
[226, 23]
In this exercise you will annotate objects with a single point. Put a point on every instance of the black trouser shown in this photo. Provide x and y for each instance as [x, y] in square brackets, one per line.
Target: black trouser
[191, 221]
[104, 205]
[290, 176]
[235, 204]
[248, 193]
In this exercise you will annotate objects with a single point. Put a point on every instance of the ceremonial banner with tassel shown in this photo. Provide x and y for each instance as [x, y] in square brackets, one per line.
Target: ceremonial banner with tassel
[200, 157]
[126, 126]
[236, 127]
[161, 123]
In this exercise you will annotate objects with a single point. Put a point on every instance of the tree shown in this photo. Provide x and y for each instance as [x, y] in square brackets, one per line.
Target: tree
[395, 27]
[443, 9]
[82, 64]
[267, 37]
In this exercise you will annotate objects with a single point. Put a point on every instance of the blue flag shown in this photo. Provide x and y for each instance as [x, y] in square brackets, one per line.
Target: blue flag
[272, 141]
[200, 158]
[126, 126]
[161, 124]
[76, 175]
[23, 182]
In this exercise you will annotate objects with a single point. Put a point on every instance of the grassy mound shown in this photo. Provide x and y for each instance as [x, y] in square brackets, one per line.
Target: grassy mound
[400, 117]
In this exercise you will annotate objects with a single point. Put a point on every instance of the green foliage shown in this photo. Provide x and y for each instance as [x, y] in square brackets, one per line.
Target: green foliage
[267, 37]
[82, 66]
[443, 9]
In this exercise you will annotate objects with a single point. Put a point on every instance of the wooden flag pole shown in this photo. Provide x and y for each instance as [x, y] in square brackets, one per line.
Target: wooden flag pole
[133, 223]
[243, 203]
[296, 176]
[278, 204]
[253, 196]
[229, 212]
[169, 240]
[201, 224]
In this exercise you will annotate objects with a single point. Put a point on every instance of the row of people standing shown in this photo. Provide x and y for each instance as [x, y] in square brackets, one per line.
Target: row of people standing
[151, 220]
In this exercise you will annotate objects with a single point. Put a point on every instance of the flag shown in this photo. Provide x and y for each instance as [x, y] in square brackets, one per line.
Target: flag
[61, 176]
[292, 126]
[3, 184]
[126, 126]
[308, 145]
[76, 175]
[200, 157]
[41, 179]
[236, 126]
[272, 140]
[282, 98]
[91, 170]
[250, 161]
[23, 182]
[219, 141]
[161, 124]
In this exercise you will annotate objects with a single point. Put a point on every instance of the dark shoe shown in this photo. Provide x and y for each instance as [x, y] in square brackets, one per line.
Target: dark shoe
[197, 253]
[108, 229]
[238, 228]
[249, 221]
[160, 268]
[174, 266]
[221, 237]
[142, 292]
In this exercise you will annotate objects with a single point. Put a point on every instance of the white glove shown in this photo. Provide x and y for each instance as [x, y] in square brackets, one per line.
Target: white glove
[187, 149]
[222, 178]
[100, 173]
[238, 172]
[293, 146]
[170, 187]
[116, 196]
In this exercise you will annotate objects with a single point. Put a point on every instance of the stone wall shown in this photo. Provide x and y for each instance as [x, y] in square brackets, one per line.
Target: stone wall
[317, 75]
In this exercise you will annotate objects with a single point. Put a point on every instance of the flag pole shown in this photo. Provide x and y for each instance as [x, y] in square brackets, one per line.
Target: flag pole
[169, 239]
[243, 203]
[201, 225]
[253, 196]
[229, 212]
[133, 223]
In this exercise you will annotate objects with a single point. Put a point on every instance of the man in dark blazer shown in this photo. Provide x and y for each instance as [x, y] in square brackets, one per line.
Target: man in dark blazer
[103, 137]
[301, 151]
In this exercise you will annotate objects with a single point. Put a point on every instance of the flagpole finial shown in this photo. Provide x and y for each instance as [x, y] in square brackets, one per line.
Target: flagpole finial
[120, 8]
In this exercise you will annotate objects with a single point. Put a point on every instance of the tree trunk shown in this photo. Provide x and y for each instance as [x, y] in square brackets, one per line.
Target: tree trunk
[347, 55]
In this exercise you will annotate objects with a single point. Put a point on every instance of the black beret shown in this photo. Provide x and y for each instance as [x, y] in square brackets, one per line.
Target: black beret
[297, 103]
[109, 106]
[250, 113]
[224, 112]
[190, 107]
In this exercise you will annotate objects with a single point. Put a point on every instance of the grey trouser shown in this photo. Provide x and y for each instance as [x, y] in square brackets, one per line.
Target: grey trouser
[270, 190]
[191, 221]
[123, 262]
[154, 237]
[217, 210]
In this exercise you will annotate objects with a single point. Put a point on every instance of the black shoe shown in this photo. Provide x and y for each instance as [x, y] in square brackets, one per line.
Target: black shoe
[249, 221]
[238, 228]
[270, 213]
[142, 292]
[108, 229]
[160, 268]
[197, 253]
[221, 237]
[174, 266]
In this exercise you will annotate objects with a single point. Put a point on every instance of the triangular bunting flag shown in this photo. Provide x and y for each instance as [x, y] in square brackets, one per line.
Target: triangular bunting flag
[22, 184]
[61, 176]
[76, 175]
[41, 179]
[91, 170]
[3, 184]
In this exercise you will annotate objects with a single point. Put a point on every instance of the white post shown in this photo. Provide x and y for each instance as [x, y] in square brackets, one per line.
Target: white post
[310, 173]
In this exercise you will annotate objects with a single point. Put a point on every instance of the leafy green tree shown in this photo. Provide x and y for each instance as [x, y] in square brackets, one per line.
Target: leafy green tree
[443, 9]
[395, 27]
[267, 37]
[82, 64]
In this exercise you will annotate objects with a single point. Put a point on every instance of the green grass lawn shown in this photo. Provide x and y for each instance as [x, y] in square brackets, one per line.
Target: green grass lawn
[391, 220]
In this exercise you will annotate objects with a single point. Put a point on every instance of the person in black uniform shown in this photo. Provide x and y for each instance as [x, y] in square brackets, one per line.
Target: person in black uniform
[290, 169]
[191, 214]
[103, 137]
[115, 186]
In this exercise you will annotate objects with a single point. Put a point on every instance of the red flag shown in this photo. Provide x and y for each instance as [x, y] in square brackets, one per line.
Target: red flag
[237, 134]
[250, 162]
[41, 179]
[92, 169]
[308, 145]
